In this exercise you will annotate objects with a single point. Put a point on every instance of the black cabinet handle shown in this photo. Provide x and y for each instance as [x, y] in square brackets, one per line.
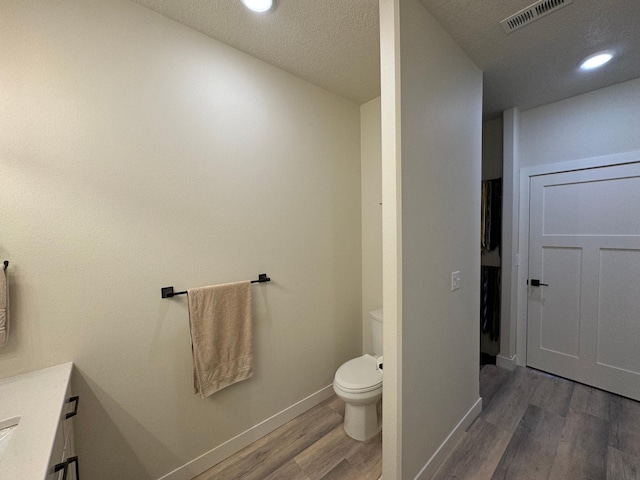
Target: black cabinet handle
[65, 466]
[62, 466]
[536, 283]
[71, 460]
[75, 399]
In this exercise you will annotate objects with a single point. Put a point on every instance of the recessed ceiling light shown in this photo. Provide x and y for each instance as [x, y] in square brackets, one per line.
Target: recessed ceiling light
[596, 60]
[258, 5]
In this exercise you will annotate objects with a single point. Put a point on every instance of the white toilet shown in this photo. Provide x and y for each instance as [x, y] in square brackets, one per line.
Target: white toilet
[358, 383]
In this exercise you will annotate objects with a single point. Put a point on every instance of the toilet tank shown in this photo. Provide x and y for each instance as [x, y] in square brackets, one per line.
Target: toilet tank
[376, 330]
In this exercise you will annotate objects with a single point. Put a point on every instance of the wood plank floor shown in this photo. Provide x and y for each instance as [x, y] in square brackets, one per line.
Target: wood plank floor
[312, 446]
[538, 426]
[533, 426]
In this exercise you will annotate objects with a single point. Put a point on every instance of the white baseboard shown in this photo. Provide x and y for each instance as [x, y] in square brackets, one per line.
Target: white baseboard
[237, 443]
[509, 363]
[450, 442]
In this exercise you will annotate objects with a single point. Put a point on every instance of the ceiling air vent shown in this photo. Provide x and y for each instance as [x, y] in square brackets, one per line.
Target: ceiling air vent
[532, 13]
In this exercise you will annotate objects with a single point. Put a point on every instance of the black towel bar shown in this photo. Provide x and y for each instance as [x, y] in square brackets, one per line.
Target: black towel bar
[167, 292]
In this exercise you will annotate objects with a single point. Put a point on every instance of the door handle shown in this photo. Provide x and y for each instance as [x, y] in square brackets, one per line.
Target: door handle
[536, 283]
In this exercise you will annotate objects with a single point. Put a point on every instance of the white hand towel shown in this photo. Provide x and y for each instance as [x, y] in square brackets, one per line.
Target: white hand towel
[221, 335]
[4, 308]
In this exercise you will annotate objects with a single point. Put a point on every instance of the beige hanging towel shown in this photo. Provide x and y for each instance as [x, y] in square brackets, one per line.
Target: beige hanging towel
[221, 335]
[4, 307]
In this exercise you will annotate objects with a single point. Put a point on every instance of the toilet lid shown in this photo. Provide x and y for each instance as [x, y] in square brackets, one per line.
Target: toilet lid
[359, 374]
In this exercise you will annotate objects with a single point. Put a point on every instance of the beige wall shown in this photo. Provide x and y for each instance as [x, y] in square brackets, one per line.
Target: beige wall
[440, 111]
[391, 147]
[492, 149]
[371, 187]
[491, 168]
[135, 154]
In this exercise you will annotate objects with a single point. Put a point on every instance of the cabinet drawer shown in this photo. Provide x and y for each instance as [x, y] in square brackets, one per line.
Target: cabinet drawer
[57, 455]
[64, 463]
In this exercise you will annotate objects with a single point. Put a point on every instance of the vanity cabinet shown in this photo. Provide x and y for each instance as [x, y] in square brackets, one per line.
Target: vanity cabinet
[64, 463]
[38, 405]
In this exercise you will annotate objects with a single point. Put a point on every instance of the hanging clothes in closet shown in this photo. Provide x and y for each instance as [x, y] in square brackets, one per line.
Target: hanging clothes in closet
[490, 241]
[491, 214]
[490, 301]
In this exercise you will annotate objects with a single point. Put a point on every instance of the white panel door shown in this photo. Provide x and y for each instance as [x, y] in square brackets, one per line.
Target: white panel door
[584, 244]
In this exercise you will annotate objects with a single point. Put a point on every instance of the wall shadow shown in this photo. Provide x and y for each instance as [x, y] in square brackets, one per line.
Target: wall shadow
[99, 426]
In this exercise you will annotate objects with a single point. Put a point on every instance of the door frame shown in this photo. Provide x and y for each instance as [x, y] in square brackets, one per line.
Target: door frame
[521, 257]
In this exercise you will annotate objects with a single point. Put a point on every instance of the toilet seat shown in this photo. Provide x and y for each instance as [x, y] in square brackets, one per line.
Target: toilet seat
[359, 375]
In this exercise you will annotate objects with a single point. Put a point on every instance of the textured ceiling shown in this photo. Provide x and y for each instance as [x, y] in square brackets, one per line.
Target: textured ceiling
[538, 63]
[331, 43]
[335, 43]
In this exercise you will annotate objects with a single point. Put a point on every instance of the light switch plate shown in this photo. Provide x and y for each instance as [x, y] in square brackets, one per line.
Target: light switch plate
[455, 280]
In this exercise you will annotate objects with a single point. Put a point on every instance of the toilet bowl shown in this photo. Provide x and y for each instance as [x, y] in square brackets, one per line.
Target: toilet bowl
[358, 382]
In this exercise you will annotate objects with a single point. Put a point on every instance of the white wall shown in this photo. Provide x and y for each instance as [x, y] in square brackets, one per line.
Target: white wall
[135, 154]
[391, 147]
[510, 233]
[602, 122]
[440, 129]
[599, 123]
[371, 187]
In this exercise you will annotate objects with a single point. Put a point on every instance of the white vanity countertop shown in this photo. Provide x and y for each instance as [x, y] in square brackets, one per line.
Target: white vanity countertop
[37, 398]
